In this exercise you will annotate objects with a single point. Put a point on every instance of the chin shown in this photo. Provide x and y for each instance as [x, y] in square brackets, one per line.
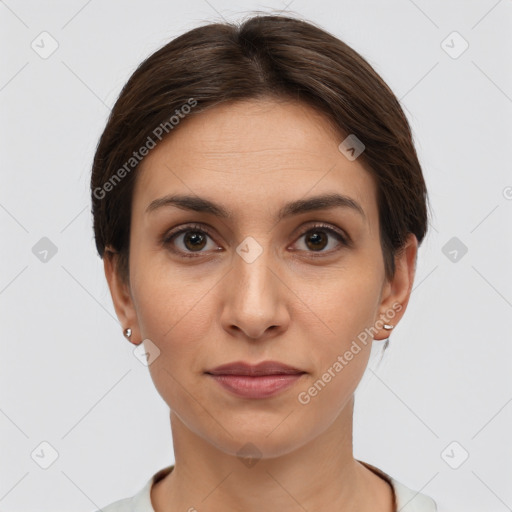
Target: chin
[262, 443]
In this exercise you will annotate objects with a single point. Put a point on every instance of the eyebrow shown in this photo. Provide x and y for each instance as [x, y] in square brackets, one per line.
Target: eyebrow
[200, 204]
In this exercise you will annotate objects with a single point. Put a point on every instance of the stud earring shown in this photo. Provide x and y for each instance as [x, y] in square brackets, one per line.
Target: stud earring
[128, 333]
[388, 327]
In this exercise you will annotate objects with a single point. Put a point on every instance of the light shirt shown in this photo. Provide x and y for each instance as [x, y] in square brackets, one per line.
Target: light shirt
[406, 500]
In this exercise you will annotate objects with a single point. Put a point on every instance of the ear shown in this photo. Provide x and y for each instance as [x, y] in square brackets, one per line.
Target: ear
[397, 291]
[121, 296]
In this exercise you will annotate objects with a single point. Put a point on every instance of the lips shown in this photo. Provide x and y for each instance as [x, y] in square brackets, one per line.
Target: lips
[258, 381]
[247, 369]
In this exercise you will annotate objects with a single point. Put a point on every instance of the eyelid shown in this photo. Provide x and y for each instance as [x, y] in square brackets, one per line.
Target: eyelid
[342, 236]
[169, 235]
[327, 227]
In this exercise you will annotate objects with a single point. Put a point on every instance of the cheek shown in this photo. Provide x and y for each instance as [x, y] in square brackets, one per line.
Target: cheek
[346, 302]
[165, 295]
[176, 311]
[344, 309]
[339, 346]
[177, 317]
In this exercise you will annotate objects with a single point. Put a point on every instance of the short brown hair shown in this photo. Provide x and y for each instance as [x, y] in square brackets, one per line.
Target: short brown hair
[263, 57]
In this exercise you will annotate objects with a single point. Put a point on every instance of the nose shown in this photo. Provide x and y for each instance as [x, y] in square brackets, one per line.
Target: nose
[255, 298]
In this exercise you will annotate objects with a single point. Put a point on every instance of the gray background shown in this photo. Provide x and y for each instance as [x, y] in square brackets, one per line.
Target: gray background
[68, 376]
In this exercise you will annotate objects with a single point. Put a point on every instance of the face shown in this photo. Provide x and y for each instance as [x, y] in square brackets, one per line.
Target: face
[301, 288]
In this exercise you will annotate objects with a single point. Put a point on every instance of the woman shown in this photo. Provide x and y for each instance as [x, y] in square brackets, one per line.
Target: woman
[258, 204]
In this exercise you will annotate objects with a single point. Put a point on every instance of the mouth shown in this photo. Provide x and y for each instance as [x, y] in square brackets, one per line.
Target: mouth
[267, 368]
[262, 380]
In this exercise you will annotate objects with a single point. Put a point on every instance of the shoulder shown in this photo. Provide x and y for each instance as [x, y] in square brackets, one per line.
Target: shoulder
[406, 500]
[124, 505]
[141, 501]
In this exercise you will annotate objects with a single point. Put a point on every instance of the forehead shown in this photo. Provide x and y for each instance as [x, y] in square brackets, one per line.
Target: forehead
[253, 154]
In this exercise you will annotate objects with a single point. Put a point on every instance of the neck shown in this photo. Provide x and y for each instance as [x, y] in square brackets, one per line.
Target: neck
[320, 475]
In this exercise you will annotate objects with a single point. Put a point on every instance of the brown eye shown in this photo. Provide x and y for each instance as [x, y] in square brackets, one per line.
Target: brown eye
[193, 240]
[190, 241]
[196, 239]
[317, 238]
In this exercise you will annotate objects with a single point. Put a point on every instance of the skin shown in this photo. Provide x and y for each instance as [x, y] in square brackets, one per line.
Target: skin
[252, 157]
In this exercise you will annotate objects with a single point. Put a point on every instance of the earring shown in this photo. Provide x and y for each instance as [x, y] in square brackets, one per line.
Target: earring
[388, 327]
[128, 333]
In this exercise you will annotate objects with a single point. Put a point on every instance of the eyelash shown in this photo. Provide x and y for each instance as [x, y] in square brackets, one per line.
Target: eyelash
[169, 237]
